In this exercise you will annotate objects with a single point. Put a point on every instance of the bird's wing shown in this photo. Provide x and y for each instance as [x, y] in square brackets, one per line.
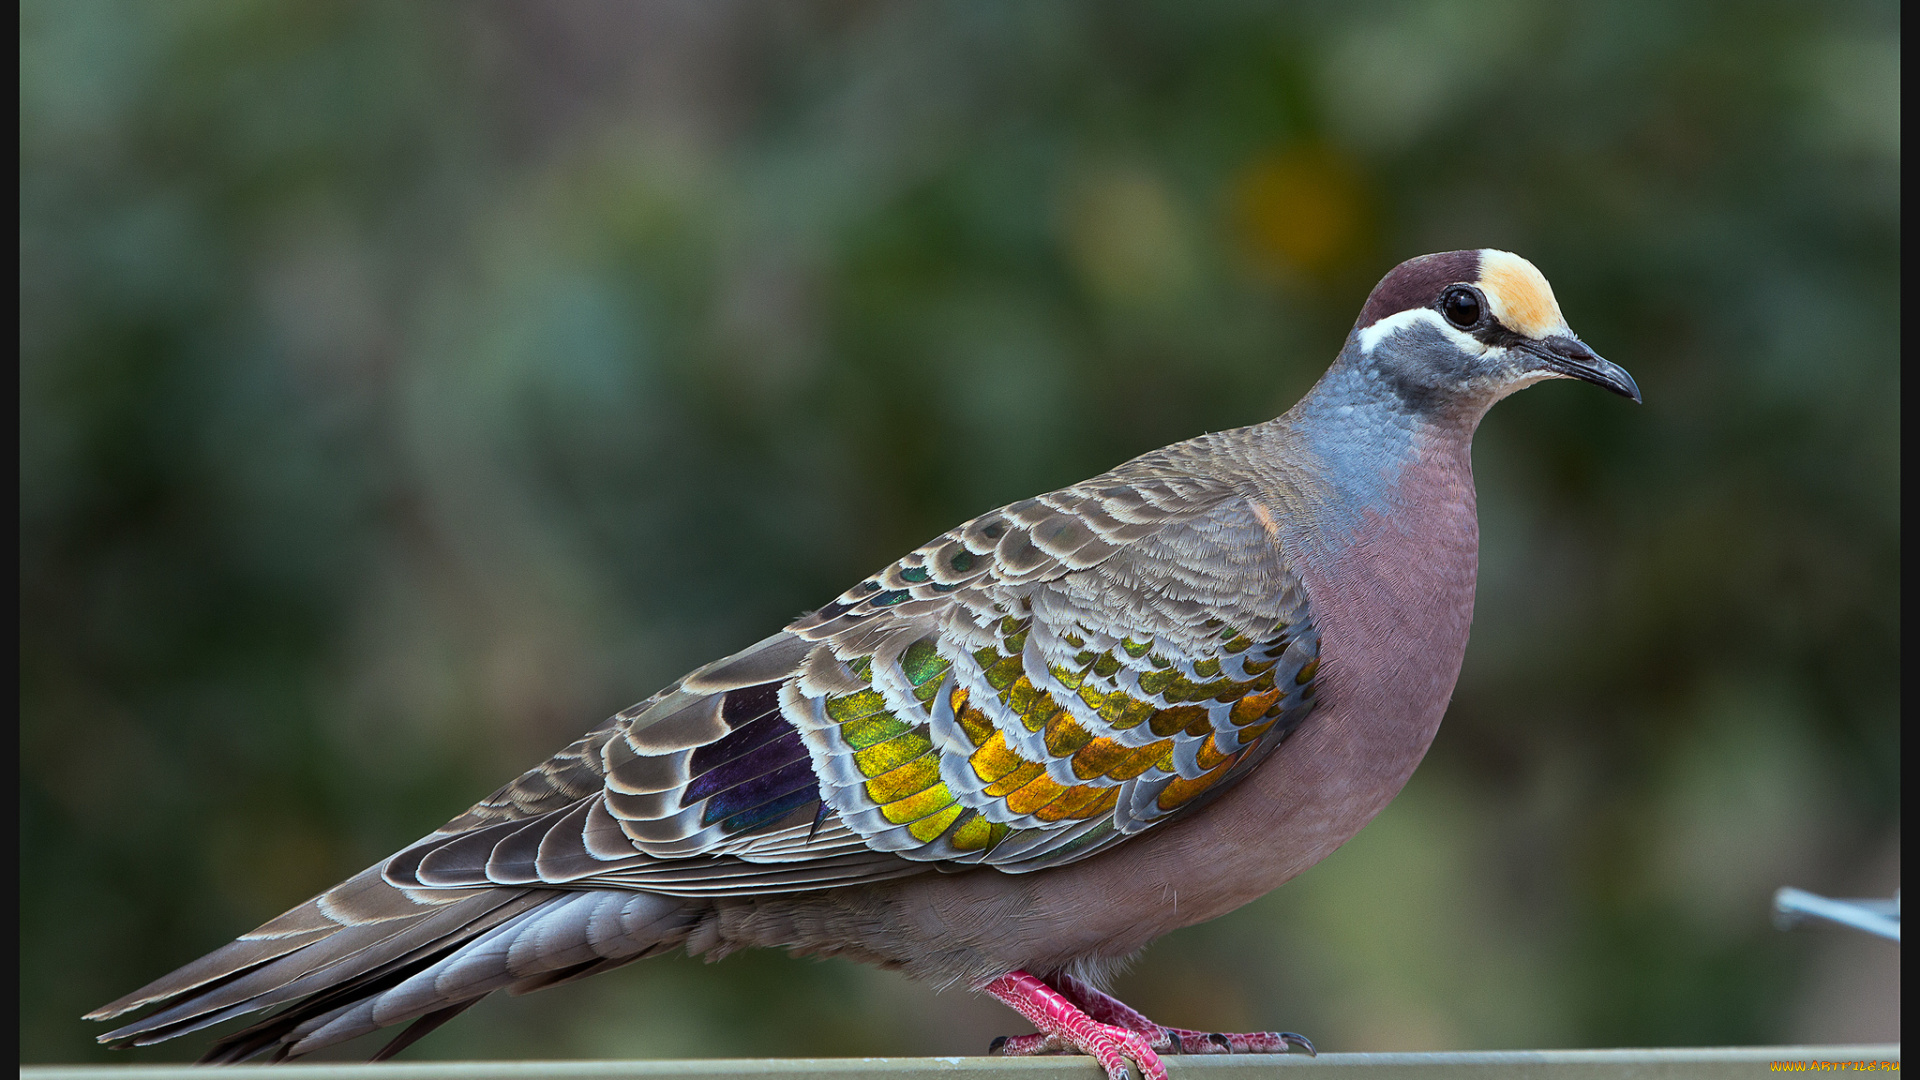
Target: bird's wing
[1056, 676]
[1029, 688]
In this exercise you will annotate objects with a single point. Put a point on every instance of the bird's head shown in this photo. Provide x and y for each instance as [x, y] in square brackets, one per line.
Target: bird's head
[1467, 328]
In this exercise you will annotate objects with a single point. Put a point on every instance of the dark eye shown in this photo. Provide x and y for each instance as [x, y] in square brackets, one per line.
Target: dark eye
[1462, 306]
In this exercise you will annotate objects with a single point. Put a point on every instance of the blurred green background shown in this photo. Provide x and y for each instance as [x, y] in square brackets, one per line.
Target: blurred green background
[406, 386]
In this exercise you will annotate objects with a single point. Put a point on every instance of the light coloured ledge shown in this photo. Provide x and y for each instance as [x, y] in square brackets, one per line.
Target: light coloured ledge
[1669, 1064]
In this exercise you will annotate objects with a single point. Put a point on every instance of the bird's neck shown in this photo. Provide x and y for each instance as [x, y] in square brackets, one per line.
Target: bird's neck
[1352, 455]
[1380, 501]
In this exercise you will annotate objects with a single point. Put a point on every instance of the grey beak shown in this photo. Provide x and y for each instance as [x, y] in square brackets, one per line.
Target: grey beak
[1571, 357]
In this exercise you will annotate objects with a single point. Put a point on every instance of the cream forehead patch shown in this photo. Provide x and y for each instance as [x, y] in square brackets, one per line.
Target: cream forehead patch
[1521, 298]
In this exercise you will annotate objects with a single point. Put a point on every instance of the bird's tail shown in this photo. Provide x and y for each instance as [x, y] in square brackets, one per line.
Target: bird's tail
[365, 954]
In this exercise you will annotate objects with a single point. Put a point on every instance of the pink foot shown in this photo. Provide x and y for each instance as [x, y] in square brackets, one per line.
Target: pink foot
[1074, 1016]
[1108, 1009]
[1064, 1027]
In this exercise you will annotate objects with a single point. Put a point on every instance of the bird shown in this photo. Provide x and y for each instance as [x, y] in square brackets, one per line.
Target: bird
[1009, 760]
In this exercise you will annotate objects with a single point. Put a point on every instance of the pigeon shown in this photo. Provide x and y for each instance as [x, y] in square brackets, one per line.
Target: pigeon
[1009, 760]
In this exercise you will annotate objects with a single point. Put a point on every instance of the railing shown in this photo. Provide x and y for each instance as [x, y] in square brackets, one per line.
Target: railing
[1671, 1064]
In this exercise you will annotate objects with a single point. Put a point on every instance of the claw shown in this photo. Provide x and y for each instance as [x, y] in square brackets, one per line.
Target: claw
[1025, 1046]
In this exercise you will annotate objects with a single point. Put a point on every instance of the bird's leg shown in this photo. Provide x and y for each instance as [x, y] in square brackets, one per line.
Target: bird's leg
[1108, 1009]
[1062, 1027]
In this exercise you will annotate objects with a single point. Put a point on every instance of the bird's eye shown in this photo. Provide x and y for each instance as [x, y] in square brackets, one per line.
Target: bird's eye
[1462, 306]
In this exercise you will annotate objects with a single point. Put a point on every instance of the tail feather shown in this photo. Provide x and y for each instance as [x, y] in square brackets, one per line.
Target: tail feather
[396, 955]
[362, 899]
[420, 1028]
[217, 967]
[349, 952]
[533, 949]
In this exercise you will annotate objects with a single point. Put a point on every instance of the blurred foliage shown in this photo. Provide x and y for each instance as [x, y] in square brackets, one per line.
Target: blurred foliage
[405, 386]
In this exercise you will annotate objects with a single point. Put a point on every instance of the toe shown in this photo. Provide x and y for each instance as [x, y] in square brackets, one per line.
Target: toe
[1136, 1047]
[1023, 1046]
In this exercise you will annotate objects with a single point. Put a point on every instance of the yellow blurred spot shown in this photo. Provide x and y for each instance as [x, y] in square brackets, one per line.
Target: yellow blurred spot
[1298, 210]
[1128, 238]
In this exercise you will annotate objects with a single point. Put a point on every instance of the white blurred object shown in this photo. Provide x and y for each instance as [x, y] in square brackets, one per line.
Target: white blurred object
[1793, 906]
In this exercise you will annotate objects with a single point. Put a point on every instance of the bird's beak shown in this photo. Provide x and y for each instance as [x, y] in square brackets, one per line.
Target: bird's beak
[1568, 356]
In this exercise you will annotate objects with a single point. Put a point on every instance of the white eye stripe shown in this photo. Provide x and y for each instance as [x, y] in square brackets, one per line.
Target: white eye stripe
[1372, 336]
